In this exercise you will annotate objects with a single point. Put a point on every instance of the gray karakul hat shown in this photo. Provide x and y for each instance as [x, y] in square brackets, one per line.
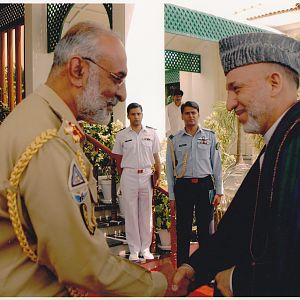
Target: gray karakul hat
[250, 48]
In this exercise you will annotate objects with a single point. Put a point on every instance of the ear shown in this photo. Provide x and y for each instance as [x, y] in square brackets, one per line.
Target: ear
[276, 81]
[77, 71]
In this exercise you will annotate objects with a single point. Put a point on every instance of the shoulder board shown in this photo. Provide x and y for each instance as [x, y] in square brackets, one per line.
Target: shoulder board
[206, 129]
[122, 129]
[150, 127]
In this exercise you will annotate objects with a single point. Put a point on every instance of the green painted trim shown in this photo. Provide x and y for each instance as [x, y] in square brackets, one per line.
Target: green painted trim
[181, 61]
[171, 76]
[11, 15]
[183, 21]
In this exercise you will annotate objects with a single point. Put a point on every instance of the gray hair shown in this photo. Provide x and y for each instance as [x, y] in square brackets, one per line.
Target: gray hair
[81, 39]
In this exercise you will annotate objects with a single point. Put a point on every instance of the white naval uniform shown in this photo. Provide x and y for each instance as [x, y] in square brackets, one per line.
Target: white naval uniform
[137, 150]
[174, 122]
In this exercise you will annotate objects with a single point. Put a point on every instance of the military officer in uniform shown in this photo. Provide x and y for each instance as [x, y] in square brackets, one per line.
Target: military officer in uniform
[49, 242]
[139, 147]
[194, 175]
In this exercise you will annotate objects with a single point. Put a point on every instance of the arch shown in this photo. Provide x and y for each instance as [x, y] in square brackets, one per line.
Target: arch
[56, 16]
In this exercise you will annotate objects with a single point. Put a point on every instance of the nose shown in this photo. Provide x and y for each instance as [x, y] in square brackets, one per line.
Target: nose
[121, 93]
[231, 102]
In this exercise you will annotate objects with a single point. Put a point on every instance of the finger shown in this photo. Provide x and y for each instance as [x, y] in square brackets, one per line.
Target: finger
[178, 277]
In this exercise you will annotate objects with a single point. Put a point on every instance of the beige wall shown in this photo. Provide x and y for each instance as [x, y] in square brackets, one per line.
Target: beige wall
[208, 86]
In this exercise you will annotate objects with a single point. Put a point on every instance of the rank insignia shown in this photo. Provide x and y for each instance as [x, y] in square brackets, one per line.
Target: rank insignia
[73, 130]
[217, 146]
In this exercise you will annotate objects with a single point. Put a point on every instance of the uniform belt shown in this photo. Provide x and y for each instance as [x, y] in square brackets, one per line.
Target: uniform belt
[139, 171]
[196, 180]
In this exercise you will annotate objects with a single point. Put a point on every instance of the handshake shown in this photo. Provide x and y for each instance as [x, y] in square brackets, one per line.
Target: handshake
[178, 281]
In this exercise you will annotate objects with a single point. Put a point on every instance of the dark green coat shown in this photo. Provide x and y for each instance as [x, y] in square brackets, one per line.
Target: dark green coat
[260, 232]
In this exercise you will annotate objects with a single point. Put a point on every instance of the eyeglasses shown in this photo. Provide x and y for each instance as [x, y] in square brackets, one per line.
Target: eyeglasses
[119, 80]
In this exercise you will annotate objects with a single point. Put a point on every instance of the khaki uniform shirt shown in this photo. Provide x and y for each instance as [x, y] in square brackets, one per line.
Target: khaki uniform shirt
[51, 192]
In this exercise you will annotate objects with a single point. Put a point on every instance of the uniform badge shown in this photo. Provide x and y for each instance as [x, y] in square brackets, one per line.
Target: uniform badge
[217, 146]
[84, 213]
[77, 183]
[76, 176]
[80, 196]
[73, 130]
[203, 140]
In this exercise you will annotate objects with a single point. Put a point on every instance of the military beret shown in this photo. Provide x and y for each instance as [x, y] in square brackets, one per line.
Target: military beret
[250, 48]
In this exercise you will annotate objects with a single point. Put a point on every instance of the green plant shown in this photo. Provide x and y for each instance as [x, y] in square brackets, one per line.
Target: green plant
[223, 123]
[162, 211]
[4, 111]
[106, 135]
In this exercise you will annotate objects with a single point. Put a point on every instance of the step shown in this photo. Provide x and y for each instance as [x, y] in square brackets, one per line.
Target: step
[118, 246]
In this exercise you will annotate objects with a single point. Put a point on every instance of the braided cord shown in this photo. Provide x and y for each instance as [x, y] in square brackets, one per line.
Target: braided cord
[174, 164]
[14, 181]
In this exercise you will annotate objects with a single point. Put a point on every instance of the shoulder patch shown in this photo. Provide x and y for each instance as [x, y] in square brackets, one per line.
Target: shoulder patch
[76, 178]
[77, 183]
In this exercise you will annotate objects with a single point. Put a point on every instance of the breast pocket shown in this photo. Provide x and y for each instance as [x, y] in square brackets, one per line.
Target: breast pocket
[128, 145]
[204, 150]
[147, 144]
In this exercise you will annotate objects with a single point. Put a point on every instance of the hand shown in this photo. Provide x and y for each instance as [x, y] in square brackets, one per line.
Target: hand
[182, 278]
[168, 270]
[223, 282]
[217, 200]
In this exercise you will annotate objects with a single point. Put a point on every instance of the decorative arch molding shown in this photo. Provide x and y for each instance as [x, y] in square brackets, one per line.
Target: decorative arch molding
[56, 15]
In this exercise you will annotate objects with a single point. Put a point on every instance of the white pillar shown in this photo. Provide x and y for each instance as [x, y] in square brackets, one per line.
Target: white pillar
[37, 60]
[145, 50]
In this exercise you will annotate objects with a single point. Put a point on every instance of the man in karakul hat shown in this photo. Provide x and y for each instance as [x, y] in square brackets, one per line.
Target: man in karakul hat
[255, 251]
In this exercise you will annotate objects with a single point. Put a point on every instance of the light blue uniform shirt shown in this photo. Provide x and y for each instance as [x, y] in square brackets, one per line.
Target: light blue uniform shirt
[203, 158]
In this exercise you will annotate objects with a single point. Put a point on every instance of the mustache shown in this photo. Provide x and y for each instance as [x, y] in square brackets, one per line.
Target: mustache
[112, 102]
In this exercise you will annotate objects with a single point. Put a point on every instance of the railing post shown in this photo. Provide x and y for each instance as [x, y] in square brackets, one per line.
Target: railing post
[153, 246]
[114, 211]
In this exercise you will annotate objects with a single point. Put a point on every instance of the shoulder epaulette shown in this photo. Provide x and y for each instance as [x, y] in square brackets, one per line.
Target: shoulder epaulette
[207, 129]
[122, 129]
[150, 127]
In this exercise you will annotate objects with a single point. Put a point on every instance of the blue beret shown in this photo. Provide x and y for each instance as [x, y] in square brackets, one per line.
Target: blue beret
[250, 48]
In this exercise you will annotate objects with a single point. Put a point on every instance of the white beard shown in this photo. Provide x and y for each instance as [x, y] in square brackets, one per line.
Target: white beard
[91, 105]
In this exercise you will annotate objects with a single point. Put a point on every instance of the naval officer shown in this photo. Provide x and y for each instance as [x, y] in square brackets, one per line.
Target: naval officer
[139, 148]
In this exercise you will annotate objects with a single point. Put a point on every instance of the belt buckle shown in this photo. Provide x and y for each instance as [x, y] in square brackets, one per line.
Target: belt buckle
[194, 180]
[140, 171]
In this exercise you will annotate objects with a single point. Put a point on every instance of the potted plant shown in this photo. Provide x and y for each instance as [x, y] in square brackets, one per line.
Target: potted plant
[162, 217]
[106, 135]
[4, 111]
